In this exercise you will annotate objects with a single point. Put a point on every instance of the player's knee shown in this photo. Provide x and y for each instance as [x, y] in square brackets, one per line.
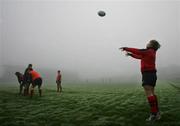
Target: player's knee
[39, 87]
[32, 88]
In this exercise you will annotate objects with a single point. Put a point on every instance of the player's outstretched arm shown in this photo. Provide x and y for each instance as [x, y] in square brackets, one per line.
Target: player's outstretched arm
[134, 50]
[133, 55]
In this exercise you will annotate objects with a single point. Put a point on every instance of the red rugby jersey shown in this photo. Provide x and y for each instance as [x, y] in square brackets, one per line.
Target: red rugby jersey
[147, 57]
[34, 75]
[58, 78]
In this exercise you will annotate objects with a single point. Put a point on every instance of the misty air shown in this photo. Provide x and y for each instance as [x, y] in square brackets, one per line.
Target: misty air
[90, 54]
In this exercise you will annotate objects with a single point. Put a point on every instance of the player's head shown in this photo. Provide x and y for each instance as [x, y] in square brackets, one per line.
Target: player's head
[59, 71]
[17, 73]
[153, 44]
[30, 66]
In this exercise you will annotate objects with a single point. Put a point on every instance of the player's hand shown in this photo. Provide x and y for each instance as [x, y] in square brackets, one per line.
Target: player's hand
[128, 54]
[122, 48]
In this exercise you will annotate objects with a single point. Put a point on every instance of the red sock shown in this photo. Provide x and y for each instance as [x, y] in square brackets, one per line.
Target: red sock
[153, 104]
[156, 102]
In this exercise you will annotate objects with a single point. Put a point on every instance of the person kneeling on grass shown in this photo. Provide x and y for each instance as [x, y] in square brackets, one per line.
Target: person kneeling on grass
[36, 80]
[20, 78]
[148, 70]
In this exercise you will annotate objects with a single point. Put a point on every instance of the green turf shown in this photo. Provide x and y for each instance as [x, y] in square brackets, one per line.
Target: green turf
[88, 105]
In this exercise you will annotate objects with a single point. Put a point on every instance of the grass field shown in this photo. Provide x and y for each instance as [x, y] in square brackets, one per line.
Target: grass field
[88, 105]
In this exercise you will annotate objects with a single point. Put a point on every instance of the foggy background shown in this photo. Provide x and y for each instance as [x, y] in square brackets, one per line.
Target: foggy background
[70, 36]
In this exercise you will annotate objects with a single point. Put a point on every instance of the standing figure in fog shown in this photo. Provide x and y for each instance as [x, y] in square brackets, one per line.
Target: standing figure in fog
[148, 70]
[27, 79]
[58, 81]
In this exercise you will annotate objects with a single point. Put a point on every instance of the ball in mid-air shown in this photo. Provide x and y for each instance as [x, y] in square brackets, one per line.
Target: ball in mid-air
[101, 13]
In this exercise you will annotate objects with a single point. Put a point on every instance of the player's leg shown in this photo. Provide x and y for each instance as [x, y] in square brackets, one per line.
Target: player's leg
[40, 90]
[57, 87]
[20, 88]
[60, 87]
[27, 88]
[39, 83]
[153, 102]
[32, 89]
[149, 90]
[24, 92]
[149, 82]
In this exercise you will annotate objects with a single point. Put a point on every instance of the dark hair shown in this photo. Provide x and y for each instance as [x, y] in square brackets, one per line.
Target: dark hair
[58, 71]
[155, 44]
[17, 73]
[30, 65]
